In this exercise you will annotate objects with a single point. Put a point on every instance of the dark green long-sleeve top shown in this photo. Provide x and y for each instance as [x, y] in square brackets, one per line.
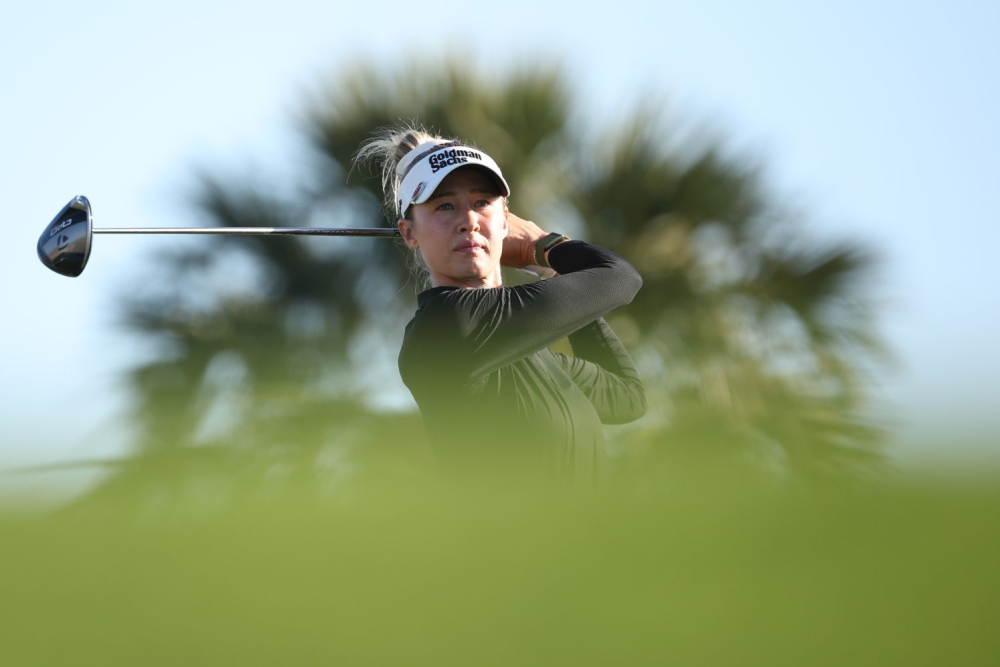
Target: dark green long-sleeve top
[490, 390]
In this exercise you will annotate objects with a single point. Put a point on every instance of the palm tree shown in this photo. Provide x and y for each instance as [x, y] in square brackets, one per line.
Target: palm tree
[749, 336]
[762, 335]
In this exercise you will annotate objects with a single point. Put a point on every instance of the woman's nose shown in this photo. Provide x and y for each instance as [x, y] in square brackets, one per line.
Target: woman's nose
[470, 219]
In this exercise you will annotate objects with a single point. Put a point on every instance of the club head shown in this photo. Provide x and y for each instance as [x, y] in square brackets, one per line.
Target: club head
[64, 246]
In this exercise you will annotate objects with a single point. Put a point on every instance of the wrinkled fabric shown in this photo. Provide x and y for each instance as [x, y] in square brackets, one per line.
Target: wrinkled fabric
[493, 394]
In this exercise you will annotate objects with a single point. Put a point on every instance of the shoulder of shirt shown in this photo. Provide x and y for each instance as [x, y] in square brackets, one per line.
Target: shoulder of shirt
[451, 295]
[425, 297]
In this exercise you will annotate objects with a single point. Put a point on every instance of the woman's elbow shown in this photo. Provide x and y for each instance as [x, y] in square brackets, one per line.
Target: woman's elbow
[638, 406]
[633, 282]
[629, 410]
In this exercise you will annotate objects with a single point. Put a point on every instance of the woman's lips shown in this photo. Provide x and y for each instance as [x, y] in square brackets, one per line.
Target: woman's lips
[470, 247]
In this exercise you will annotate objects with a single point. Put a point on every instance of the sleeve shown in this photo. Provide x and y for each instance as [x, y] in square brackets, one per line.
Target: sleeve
[495, 327]
[604, 371]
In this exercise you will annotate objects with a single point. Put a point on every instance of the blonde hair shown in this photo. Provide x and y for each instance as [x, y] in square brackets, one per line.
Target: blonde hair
[384, 151]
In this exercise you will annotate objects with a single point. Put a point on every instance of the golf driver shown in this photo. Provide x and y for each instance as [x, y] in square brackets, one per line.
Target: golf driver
[64, 246]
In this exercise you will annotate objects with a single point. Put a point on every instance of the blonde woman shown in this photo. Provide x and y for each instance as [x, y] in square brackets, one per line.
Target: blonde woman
[475, 356]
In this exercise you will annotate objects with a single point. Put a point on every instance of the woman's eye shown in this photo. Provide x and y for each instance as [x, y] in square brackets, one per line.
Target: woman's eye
[482, 202]
[445, 207]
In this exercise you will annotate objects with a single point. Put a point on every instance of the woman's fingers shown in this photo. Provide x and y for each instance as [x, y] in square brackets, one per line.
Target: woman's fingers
[519, 246]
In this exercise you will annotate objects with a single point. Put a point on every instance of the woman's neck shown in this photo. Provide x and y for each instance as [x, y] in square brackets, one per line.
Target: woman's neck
[495, 279]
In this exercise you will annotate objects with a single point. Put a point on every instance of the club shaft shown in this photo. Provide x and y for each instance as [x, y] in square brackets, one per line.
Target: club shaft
[384, 232]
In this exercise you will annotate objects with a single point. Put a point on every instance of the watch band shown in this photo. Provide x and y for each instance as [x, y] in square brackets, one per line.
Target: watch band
[543, 244]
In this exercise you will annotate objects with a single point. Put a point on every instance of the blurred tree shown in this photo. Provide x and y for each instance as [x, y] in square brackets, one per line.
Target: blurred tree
[761, 334]
[752, 339]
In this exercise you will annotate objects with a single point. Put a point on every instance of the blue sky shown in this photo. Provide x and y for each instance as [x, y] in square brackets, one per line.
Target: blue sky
[876, 120]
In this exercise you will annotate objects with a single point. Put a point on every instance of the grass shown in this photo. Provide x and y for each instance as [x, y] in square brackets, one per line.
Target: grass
[693, 566]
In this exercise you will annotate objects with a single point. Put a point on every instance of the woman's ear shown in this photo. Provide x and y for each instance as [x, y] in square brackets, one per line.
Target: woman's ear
[406, 229]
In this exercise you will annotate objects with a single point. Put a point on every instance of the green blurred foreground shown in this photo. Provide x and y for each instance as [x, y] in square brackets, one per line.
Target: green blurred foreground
[687, 567]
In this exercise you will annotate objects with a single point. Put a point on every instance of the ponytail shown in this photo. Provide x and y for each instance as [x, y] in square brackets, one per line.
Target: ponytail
[384, 151]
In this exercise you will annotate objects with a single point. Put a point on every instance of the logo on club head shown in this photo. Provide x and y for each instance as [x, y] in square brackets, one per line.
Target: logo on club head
[61, 226]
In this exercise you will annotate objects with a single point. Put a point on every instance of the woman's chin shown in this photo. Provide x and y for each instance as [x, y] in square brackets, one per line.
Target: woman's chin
[473, 274]
[479, 266]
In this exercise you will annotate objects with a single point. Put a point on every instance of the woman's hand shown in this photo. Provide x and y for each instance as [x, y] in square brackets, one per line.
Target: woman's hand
[519, 246]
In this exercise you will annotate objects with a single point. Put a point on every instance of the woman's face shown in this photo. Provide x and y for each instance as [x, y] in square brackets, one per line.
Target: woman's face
[460, 230]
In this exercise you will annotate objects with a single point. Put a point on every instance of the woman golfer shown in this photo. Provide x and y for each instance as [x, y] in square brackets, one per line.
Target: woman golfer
[475, 355]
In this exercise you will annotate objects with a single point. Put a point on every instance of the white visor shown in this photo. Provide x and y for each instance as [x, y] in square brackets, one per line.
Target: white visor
[423, 169]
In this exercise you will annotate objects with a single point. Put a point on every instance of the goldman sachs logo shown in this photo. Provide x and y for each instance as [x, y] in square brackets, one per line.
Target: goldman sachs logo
[446, 158]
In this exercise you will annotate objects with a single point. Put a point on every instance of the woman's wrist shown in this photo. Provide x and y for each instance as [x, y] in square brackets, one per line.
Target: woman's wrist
[527, 248]
[521, 240]
[544, 245]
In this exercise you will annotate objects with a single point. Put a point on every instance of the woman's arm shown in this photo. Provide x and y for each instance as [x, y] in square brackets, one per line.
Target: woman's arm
[605, 373]
[481, 330]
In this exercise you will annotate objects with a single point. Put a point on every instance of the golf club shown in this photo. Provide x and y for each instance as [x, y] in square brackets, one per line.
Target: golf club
[64, 246]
